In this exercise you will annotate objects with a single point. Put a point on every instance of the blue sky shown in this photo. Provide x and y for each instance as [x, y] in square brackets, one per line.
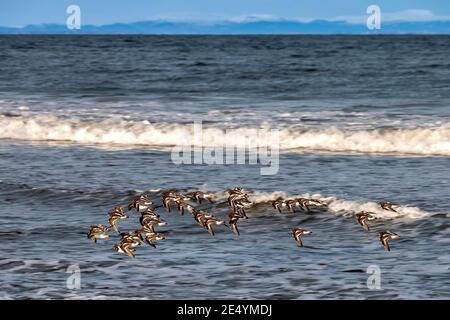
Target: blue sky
[25, 12]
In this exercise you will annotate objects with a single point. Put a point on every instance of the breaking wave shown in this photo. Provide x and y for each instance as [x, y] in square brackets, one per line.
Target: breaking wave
[421, 141]
[342, 206]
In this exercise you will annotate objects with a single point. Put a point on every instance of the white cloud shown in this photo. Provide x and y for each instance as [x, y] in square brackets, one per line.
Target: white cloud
[414, 15]
[254, 18]
[411, 15]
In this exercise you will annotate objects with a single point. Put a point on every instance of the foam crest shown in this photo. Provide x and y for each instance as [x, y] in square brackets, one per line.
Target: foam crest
[344, 207]
[422, 141]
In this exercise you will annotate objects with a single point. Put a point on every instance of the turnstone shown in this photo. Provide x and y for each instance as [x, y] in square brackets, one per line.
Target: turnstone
[114, 216]
[234, 218]
[278, 204]
[140, 203]
[152, 237]
[386, 205]
[362, 218]
[209, 222]
[135, 237]
[97, 231]
[385, 236]
[150, 224]
[199, 196]
[125, 246]
[297, 233]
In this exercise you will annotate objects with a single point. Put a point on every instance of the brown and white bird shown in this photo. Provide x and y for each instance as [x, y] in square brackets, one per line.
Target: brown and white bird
[152, 237]
[201, 216]
[209, 222]
[240, 205]
[116, 210]
[238, 201]
[385, 236]
[303, 203]
[278, 204]
[114, 216]
[182, 205]
[291, 204]
[297, 233]
[233, 220]
[386, 205]
[362, 218]
[126, 247]
[171, 196]
[234, 194]
[148, 215]
[97, 231]
[166, 199]
[155, 223]
[135, 237]
[235, 190]
[317, 203]
[306, 203]
[199, 196]
[140, 203]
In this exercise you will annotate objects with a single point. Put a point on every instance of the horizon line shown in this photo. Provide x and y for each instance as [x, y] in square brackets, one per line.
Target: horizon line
[250, 20]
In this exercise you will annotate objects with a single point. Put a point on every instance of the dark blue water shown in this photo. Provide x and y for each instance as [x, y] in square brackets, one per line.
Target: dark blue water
[89, 122]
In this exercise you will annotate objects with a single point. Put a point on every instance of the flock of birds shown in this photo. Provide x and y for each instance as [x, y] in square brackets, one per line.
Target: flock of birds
[238, 202]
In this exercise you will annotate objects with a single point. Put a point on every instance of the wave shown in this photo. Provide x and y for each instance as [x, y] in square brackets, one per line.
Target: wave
[108, 197]
[335, 205]
[344, 207]
[422, 141]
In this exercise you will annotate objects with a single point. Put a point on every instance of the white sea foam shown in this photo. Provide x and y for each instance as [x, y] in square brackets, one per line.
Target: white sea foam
[343, 206]
[422, 141]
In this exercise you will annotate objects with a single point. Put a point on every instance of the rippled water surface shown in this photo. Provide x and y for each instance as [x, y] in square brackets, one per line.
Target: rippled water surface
[87, 123]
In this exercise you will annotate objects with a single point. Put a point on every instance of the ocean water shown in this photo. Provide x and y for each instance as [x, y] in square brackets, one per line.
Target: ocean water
[89, 122]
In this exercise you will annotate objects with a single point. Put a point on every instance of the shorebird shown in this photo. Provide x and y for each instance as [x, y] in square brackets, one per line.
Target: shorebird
[172, 196]
[234, 194]
[140, 203]
[125, 246]
[362, 218]
[234, 218]
[239, 206]
[278, 204]
[201, 216]
[316, 202]
[238, 200]
[305, 203]
[239, 210]
[116, 210]
[152, 237]
[166, 202]
[235, 190]
[181, 204]
[148, 215]
[386, 205]
[385, 236]
[291, 204]
[154, 223]
[199, 196]
[297, 233]
[134, 237]
[209, 222]
[97, 231]
[114, 216]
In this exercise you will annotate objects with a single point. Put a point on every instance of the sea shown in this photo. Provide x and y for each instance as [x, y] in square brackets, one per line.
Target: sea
[87, 123]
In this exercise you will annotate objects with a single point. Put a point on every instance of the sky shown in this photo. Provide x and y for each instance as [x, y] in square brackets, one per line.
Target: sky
[18, 13]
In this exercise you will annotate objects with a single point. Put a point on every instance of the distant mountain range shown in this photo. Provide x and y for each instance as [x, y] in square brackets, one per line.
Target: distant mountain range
[230, 27]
